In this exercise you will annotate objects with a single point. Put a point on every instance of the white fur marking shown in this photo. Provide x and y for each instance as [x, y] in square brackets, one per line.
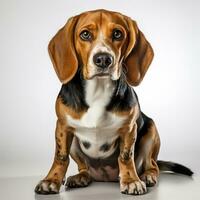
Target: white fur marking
[97, 126]
[100, 46]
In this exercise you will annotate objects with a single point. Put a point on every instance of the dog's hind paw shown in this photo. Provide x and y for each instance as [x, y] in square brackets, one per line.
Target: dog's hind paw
[82, 179]
[149, 179]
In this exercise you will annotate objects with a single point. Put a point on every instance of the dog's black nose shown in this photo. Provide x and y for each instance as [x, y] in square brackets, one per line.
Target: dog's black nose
[103, 60]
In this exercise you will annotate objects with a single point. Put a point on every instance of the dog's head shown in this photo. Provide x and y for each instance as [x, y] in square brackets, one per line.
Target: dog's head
[102, 44]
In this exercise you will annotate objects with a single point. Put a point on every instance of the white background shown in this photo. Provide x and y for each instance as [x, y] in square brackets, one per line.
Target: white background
[29, 86]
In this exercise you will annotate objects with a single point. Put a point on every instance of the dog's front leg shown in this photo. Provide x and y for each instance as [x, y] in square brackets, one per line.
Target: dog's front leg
[129, 180]
[52, 182]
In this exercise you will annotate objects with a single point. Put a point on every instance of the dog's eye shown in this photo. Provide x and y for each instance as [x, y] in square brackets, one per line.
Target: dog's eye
[86, 35]
[117, 35]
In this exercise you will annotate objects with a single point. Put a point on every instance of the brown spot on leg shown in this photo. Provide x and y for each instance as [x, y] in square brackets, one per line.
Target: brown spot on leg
[129, 180]
[52, 182]
[64, 135]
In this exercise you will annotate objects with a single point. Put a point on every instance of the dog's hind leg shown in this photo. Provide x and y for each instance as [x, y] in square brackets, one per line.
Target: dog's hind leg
[146, 153]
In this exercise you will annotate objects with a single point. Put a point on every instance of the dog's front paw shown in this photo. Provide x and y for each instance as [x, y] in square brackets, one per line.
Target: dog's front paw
[133, 187]
[47, 187]
[79, 180]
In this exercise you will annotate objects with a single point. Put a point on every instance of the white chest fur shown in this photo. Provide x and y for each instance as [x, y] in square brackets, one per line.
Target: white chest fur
[97, 126]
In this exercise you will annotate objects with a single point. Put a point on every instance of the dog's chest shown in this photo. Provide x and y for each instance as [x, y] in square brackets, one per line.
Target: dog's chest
[97, 130]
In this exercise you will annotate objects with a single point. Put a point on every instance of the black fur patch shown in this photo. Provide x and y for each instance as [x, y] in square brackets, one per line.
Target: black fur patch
[72, 93]
[86, 144]
[168, 166]
[105, 147]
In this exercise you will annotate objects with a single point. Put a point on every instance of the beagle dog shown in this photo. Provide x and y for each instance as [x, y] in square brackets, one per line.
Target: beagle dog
[98, 56]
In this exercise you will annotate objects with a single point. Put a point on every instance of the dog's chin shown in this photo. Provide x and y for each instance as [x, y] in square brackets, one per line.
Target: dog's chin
[100, 76]
[113, 77]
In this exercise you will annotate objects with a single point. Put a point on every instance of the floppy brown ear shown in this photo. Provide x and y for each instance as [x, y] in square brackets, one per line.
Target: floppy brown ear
[138, 56]
[62, 52]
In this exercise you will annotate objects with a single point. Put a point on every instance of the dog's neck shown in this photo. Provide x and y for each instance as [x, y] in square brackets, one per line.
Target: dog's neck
[99, 91]
[80, 94]
[98, 94]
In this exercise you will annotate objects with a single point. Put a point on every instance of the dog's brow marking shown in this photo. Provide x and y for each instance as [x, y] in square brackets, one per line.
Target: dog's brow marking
[101, 37]
[100, 18]
[100, 46]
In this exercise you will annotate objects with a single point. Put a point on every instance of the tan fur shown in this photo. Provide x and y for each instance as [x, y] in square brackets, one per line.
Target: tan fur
[64, 138]
[128, 134]
[62, 52]
[62, 110]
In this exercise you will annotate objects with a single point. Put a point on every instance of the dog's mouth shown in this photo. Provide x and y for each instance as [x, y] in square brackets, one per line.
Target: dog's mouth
[100, 75]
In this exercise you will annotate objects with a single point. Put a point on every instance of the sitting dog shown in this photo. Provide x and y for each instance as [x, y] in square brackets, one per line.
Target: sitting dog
[98, 56]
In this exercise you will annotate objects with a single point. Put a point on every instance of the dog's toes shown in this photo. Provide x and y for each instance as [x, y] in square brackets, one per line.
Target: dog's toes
[47, 187]
[79, 180]
[134, 188]
[149, 179]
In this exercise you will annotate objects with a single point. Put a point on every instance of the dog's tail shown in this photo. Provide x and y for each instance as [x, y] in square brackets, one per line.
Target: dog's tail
[168, 166]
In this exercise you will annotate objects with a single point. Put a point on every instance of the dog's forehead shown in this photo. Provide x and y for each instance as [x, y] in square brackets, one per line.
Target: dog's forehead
[100, 18]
